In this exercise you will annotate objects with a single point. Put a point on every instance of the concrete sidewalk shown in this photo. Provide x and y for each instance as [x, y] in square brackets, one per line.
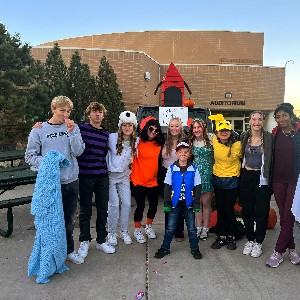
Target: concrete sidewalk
[220, 274]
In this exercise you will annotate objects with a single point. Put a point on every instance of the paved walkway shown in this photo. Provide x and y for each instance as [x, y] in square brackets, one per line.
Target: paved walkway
[221, 274]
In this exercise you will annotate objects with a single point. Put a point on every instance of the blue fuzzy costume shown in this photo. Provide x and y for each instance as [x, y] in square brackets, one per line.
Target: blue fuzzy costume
[50, 247]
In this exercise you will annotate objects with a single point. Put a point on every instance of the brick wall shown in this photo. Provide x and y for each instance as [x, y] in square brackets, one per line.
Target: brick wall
[180, 47]
[260, 87]
[129, 67]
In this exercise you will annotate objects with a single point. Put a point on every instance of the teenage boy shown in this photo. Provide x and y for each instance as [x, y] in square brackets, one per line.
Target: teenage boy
[63, 135]
[181, 197]
[93, 179]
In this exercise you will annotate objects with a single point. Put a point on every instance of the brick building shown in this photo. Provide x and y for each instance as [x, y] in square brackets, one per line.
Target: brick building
[224, 69]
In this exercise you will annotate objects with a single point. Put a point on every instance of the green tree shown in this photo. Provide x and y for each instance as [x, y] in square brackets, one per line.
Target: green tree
[56, 73]
[38, 105]
[108, 93]
[16, 80]
[81, 86]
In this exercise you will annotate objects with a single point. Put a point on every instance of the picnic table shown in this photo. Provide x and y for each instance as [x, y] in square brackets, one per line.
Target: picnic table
[11, 155]
[10, 178]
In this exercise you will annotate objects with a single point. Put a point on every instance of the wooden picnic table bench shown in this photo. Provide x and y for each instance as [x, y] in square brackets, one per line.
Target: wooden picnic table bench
[11, 155]
[9, 179]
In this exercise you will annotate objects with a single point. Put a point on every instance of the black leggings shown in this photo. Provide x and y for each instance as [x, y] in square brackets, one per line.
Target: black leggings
[140, 192]
[225, 199]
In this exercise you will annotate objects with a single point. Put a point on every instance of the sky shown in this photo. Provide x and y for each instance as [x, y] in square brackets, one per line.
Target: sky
[42, 21]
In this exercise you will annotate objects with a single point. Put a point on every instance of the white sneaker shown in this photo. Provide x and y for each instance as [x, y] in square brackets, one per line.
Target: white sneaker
[75, 258]
[112, 238]
[84, 249]
[204, 234]
[126, 237]
[248, 248]
[256, 250]
[139, 236]
[150, 232]
[106, 247]
[199, 230]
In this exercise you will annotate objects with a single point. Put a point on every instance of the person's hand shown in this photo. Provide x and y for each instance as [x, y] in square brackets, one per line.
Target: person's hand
[70, 124]
[37, 125]
[196, 210]
[167, 209]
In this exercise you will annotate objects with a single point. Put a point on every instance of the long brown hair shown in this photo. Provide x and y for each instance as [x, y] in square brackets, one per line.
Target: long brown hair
[261, 134]
[191, 136]
[119, 145]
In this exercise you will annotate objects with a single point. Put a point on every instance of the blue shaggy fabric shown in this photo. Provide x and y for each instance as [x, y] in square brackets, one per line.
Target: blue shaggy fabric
[50, 247]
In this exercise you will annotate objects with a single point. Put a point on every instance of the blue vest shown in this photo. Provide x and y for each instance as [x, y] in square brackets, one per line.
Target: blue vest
[177, 179]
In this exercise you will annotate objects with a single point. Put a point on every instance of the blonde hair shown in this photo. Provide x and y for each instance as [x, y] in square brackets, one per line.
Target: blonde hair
[95, 106]
[261, 134]
[119, 145]
[169, 142]
[60, 101]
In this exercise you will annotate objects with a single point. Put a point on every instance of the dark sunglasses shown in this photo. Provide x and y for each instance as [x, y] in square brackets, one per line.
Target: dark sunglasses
[153, 130]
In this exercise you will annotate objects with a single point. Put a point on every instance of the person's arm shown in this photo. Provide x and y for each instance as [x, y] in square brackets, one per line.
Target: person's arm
[33, 153]
[197, 190]
[76, 142]
[168, 191]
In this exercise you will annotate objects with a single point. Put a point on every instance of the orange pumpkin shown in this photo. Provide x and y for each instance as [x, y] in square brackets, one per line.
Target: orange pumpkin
[272, 219]
[188, 103]
[213, 219]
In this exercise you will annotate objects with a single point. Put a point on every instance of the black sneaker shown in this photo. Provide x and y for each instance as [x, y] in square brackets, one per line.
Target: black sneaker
[196, 254]
[218, 243]
[161, 252]
[231, 245]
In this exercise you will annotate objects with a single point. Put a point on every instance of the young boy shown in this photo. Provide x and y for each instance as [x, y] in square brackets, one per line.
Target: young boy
[63, 135]
[181, 194]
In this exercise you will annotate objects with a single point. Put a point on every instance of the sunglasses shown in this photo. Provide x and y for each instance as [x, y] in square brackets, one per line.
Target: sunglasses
[153, 130]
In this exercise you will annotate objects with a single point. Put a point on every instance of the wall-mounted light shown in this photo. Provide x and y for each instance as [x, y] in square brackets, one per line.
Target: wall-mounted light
[228, 95]
[147, 76]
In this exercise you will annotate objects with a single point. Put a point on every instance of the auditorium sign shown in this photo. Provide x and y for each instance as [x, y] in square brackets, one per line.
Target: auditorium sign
[228, 102]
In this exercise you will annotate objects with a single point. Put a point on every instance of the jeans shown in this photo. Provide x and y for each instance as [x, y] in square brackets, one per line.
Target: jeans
[89, 185]
[189, 217]
[69, 200]
[140, 192]
[255, 201]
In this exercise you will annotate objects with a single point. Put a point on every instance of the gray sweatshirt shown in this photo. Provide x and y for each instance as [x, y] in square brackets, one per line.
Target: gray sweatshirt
[55, 137]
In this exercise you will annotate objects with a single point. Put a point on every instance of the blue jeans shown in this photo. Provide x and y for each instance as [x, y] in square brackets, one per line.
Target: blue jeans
[189, 217]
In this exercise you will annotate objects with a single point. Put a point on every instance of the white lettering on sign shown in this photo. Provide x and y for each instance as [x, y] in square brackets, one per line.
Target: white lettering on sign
[167, 113]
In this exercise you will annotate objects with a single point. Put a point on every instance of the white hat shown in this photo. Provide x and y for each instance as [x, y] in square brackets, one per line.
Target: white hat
[127, 117]
[182, 145]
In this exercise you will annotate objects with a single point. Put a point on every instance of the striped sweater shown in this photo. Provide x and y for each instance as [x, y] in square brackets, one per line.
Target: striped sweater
[93, 160]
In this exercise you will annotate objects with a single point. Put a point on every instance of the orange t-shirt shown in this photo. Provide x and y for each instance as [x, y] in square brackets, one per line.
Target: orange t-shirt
[145, 164]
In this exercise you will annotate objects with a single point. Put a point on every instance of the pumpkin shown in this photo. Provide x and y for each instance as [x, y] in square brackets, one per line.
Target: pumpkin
[272, 219]
[188, 103]
[213, 219]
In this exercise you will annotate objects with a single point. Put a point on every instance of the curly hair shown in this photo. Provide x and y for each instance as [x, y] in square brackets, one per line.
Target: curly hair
[119, 145]
[191, 136]
[159, 138]
[287, 107]
[168, 141]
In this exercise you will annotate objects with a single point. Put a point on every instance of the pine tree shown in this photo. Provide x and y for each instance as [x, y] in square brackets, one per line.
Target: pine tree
[56, 73]
[109, 94]
[81, 86]
[16, 80]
